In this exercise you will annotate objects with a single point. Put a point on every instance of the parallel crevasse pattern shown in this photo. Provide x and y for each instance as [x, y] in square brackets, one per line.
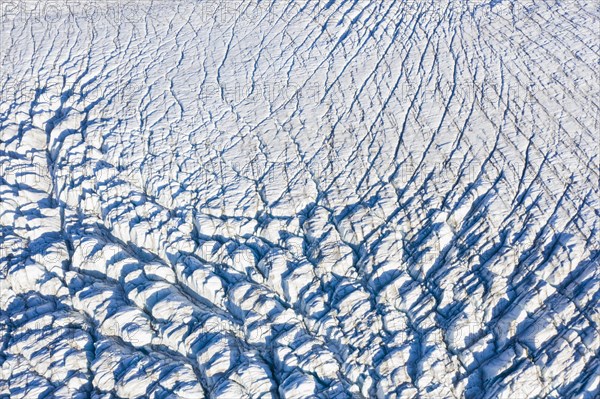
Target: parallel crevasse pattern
[306, 199]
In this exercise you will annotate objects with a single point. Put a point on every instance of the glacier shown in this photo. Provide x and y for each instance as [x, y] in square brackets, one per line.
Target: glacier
[299, 199]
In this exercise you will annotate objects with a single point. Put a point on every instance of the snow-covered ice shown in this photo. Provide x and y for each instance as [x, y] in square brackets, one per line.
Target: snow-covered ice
[299, 199]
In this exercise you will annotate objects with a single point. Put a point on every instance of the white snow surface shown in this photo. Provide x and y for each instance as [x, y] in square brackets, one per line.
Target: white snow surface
[304, 199]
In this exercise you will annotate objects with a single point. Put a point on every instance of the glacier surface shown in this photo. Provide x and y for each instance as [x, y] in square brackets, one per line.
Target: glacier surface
[299, 199]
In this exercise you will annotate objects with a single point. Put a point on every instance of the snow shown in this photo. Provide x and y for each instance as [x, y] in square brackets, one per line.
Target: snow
[299, 199]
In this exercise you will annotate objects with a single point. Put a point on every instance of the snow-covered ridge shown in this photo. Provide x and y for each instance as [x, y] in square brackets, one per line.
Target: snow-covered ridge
[299, 199]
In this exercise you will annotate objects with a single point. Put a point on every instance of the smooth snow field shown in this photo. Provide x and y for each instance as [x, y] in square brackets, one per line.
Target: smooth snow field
[300, 199]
